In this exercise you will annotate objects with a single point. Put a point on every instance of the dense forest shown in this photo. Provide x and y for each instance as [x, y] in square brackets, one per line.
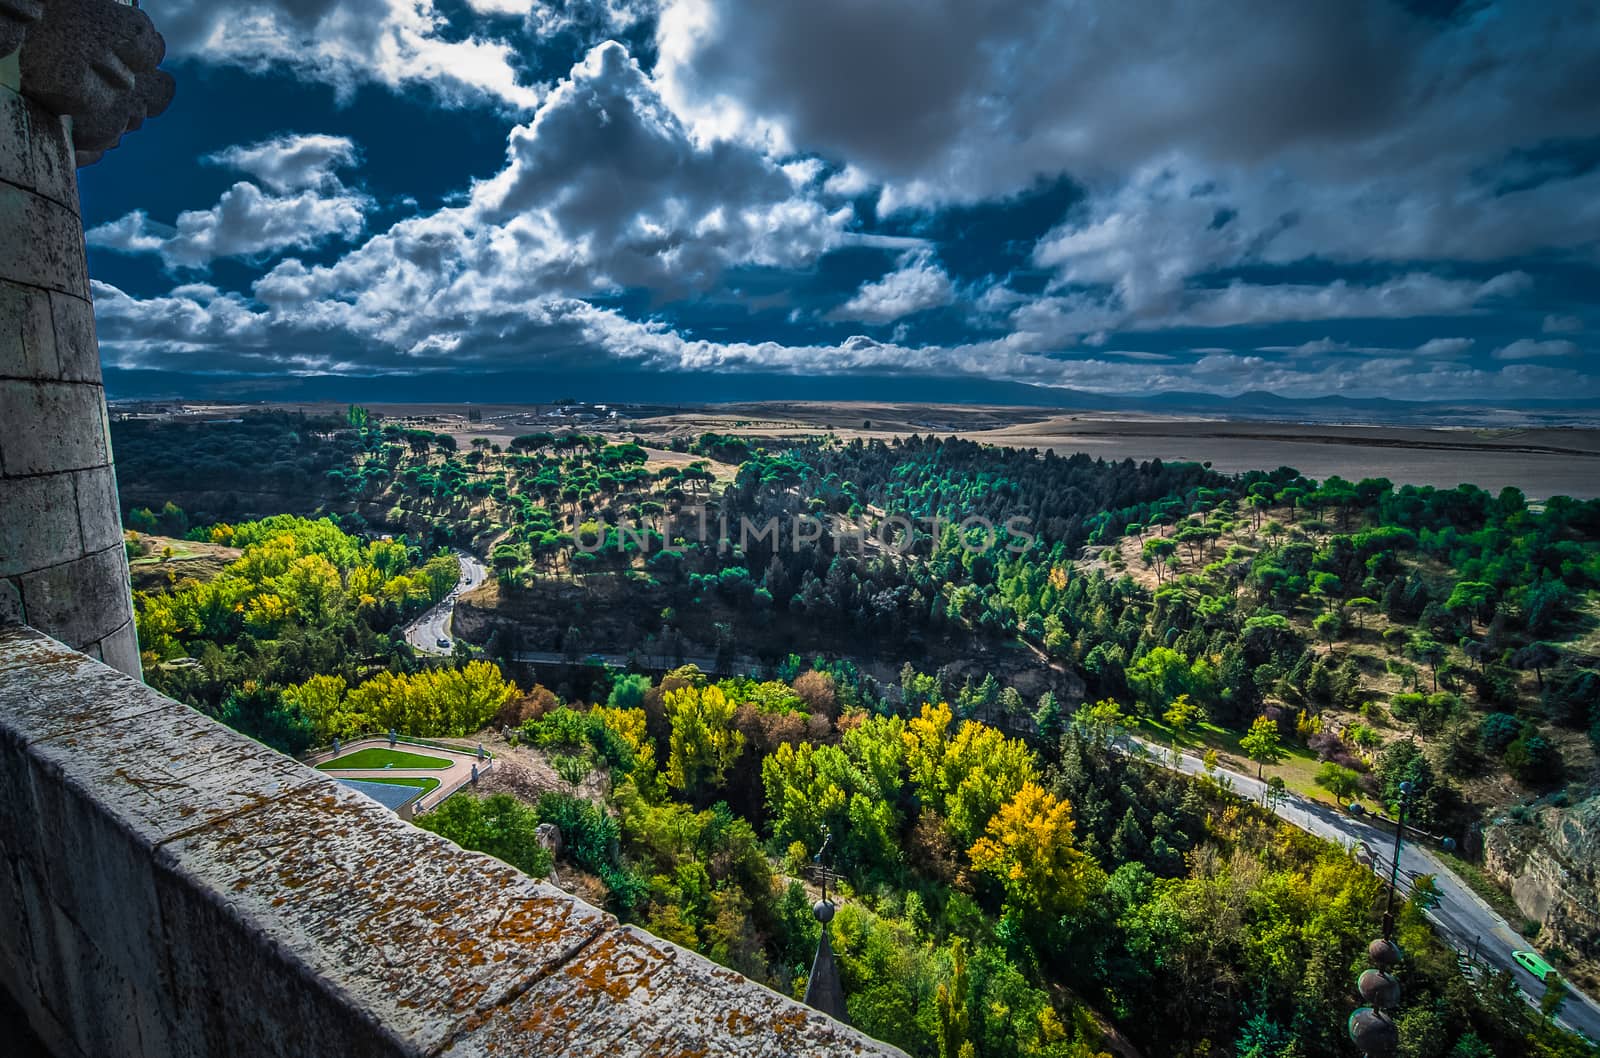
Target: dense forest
[1013, 885]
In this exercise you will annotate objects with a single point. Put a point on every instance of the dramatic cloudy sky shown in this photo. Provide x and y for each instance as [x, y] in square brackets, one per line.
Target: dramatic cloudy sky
[1363, 197]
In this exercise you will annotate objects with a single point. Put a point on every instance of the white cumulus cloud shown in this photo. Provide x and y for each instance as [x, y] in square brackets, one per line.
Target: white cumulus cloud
[918, 284]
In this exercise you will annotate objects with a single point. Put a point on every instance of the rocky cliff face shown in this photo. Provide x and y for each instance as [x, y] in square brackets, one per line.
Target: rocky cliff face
[1552, 866]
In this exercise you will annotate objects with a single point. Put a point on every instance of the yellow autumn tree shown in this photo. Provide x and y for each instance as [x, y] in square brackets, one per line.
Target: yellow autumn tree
[967, 775]
[321, 701]
[629, 725]
[1028, 846]
[704, 743]
[427, 704]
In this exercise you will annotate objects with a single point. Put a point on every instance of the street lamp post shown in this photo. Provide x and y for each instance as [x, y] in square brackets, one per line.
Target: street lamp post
[1394, 867]
[1371, 1027]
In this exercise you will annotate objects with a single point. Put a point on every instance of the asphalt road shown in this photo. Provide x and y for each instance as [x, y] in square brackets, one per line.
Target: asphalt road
[705, 663]
[426, 631]
[1461, 917]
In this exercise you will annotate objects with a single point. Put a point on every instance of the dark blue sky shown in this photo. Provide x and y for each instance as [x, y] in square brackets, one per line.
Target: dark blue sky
[1352, 197]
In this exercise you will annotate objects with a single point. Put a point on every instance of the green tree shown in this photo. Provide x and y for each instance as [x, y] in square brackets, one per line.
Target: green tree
[499, 825]
[1049, 718]
[1338, 780]
[703, 743]
[953, 1032]
[1159, 677]
[1428, 651]
[1181, 716]
[1262, 743]
[1028, 845]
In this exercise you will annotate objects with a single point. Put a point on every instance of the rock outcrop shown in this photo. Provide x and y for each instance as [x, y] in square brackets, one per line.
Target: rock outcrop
[1551, 864]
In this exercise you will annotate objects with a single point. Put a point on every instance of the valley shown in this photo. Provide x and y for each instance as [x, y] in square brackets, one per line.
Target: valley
[704, 640]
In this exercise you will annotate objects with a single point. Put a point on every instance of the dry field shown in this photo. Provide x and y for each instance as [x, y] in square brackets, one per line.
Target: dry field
[1541, 462]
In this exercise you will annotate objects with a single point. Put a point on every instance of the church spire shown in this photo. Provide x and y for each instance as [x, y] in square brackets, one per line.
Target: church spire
[824, 991]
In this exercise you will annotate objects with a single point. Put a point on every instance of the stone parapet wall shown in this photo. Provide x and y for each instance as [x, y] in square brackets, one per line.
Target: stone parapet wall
[171, 888]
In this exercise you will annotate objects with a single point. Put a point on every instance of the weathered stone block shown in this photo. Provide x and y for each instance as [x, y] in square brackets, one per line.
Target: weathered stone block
[120, 650]
[26, 718]
[77, 351]
[53, 236]
[82, 601]
[55, 170]
[16, 955]
[40, 523]
[630, 994]
[98, 869]
[58, 426]
[203, 895]
[11, 611]
[87, 995]
[99, 522]
[15, 167]
[426, 939]
[27, 341]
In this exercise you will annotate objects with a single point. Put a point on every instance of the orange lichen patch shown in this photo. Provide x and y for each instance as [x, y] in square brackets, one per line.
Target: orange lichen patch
[452, 952]
[738, 1023]
[615, 968]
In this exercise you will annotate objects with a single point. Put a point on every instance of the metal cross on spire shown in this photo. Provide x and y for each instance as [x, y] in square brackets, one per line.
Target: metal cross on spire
[819, 868]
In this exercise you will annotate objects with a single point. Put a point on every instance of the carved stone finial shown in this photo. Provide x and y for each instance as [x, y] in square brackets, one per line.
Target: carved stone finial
[94, 61]
[15, 16]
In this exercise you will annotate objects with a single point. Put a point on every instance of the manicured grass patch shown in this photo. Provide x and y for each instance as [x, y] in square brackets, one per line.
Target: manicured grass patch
[421, 782]
[378, 757]
[1297, 766]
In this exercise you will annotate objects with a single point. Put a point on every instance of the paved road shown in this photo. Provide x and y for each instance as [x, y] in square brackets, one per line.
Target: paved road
[426, 631]
[705, 664]
[1461, 918]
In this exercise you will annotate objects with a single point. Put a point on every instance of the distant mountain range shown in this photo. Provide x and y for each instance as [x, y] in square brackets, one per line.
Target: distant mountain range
[706, 388]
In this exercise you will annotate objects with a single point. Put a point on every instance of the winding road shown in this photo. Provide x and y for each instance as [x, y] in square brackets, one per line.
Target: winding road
[1461, 917]
[426, 632]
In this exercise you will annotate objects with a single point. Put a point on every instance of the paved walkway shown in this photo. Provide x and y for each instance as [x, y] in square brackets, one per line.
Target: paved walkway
[451, 778]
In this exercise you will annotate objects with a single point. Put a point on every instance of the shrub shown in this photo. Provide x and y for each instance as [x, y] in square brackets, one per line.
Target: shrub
[1340, 781]
[1362, 735]
[1532, 760]
[1498, 730]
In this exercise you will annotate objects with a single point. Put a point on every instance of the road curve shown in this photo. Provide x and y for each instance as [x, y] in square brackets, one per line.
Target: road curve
[426, 631]
[1461, 918]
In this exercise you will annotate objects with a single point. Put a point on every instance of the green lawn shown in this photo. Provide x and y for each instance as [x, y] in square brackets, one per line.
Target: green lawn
[1297, 766]
[378, 757]
[422, 782]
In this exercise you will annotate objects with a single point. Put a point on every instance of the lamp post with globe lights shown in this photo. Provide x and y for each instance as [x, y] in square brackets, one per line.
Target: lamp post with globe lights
[1372, 1027]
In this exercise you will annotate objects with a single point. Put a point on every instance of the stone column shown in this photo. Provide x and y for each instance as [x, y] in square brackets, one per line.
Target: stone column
[74, 76]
